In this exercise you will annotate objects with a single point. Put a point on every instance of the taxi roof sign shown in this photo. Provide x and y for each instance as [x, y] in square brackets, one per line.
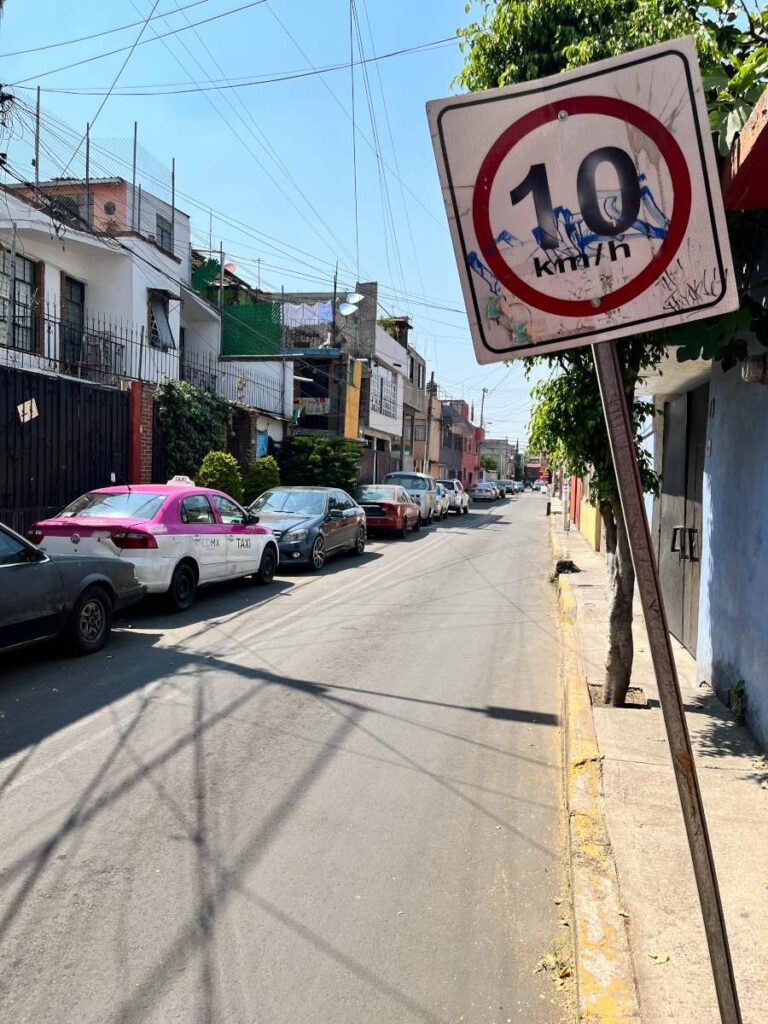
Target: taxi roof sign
[180, 480]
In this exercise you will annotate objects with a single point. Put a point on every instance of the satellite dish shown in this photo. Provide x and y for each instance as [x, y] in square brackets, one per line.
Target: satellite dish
[347, 309]
[230, 267]
[355, 297]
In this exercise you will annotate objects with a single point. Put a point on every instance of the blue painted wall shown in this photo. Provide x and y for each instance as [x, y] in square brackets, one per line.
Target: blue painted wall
[733, 605]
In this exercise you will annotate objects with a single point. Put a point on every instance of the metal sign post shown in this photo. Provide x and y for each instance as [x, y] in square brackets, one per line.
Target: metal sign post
[610, 379]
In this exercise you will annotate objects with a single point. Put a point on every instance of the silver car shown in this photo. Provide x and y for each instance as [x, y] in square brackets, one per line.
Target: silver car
[458, 497]
[74, 596]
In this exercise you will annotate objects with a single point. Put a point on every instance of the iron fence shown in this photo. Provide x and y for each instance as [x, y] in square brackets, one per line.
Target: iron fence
[97, 348]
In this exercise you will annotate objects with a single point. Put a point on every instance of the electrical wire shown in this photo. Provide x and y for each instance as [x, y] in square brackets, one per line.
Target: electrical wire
[96, 35]
[112, 86]
[261, 139]
[122, 49]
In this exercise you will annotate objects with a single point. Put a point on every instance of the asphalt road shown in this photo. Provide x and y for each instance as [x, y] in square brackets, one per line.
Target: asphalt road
[335, 800]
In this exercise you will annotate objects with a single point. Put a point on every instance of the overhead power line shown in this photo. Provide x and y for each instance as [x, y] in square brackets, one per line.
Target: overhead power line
[230, 84]
[98, 35]
[122, 49]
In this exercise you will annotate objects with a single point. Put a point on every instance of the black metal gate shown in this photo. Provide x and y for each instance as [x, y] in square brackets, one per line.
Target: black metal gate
[60, 438]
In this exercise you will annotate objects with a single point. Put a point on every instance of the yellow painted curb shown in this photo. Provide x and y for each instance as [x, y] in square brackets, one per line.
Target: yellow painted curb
[605, 979]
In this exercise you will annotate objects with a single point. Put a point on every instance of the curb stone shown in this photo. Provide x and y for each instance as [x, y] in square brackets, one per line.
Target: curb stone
[605, 977]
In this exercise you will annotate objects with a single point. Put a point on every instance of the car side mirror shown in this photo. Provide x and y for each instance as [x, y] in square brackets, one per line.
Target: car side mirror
[252, 518]
[336, 513]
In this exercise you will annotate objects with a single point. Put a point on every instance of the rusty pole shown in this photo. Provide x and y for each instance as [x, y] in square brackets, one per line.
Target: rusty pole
[611, 381]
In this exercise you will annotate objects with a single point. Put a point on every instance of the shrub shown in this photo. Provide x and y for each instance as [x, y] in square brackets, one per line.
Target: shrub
[320, 461]
[260, 476]
[220, 471]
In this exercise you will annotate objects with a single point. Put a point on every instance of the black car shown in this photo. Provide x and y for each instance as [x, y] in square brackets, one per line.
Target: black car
[311, 523]
[43, 596]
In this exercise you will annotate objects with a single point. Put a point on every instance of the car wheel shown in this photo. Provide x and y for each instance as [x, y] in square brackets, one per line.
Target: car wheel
[359, 548]
[90, 623]
[417, 524]
[403, 531]
[267, 566]
[181, 593]
[317, 554]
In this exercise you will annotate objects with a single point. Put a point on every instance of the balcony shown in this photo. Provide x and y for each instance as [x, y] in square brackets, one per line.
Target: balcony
[415, 398]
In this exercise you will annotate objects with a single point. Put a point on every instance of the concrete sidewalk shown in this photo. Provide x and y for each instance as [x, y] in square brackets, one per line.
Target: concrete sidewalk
[638, 797]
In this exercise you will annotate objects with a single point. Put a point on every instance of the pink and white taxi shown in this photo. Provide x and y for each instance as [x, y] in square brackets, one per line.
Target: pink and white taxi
[177, 535]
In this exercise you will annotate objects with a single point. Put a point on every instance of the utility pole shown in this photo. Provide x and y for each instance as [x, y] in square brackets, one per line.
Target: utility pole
[482, 405]
[37, 138]
[221, 276]
[134, 225]
[429, 420]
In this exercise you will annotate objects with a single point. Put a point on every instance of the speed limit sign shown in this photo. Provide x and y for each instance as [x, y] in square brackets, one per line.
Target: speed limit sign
[586, 206]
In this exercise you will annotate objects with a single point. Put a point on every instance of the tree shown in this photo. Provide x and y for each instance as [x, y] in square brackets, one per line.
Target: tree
[489, 462]
[518, 40]
[221, 471]
[322, 461]
[261, 475]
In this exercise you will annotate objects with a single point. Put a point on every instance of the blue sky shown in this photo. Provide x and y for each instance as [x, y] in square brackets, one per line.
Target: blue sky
[278, 156]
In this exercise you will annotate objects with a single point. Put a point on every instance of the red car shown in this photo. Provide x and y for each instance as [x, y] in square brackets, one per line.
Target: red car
[388, 507]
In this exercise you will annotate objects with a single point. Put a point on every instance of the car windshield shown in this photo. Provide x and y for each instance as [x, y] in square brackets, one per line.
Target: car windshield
[448, 484]
[123, 505]
[410, 483]
[306, 503]
[377, 493]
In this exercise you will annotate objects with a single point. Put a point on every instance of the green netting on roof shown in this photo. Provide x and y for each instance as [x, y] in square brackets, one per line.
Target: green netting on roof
[251, 330]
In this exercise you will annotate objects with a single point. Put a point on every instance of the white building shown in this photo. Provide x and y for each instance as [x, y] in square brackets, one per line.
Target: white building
[95, 283]
[384, 421]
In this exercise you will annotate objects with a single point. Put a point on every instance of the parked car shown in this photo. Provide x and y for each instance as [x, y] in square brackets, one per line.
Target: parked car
[421, 488]
[501, 488]
[482, 491]
[73, 595]
[442, 501]
[519, 486]
[388, 507]
[178, 536]
[458, 497]
[311, 523]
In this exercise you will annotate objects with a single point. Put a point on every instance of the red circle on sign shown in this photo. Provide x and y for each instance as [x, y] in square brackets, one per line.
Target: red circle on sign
[678, 220]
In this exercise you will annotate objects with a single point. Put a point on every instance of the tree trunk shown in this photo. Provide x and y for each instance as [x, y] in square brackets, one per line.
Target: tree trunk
[621, 579]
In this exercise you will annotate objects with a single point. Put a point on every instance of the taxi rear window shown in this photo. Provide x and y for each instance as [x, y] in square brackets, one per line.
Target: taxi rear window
[125, 505]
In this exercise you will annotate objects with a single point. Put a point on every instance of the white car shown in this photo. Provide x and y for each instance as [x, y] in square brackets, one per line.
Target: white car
[421, 488]
[458, 496]
[177, 535]
[442, 501]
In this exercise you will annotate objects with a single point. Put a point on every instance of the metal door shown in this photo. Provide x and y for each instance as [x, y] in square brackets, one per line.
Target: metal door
[672, 511]
[680, 518]
[698, 410]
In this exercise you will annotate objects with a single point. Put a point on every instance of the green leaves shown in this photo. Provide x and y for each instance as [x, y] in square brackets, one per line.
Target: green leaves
[192, 421]
[325, 461]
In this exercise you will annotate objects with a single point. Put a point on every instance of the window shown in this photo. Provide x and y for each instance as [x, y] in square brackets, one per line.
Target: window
[18, 290]
[12, 551]
[411, 368]
[422, 373]
[111, 505]
[420, 430]
[76, 210]
[230, 512]
[196, 509]
[164, 233]
[343, 500]
[160, 334]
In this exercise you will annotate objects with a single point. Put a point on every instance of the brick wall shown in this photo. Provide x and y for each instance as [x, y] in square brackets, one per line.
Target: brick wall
[142, 421]
[147, 429]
